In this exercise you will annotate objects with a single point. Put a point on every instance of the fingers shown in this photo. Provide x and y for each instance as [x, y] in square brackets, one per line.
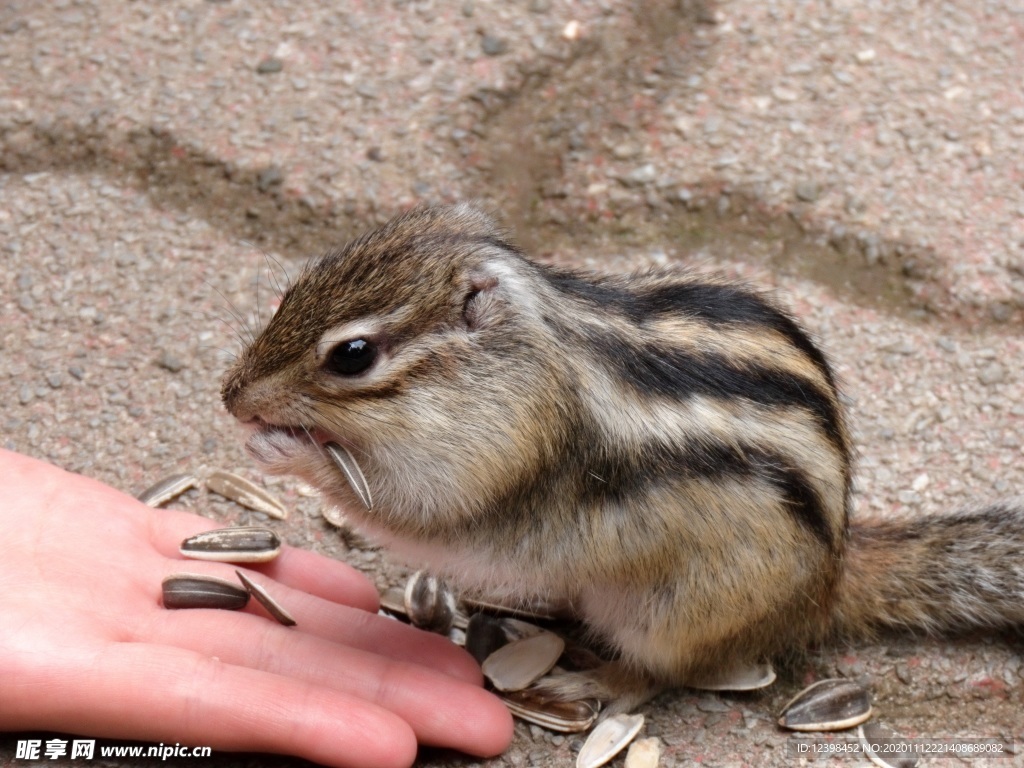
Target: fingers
[338, 623]
[438, 708]
[160, 693]
[328, 579]
[377, 634]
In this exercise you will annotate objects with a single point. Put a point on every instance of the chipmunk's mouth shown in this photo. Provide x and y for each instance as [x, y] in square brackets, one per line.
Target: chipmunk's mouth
[275, 446]
[278, 446]
[310, 435]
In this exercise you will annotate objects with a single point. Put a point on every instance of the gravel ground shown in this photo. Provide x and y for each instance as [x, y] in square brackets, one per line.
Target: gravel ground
[864, 158]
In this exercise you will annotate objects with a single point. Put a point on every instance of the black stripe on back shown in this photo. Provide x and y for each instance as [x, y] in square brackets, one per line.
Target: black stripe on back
[600, 292]
[618, 479]
[679, 374]
[734, 305]
[717, 460]
[713, 303]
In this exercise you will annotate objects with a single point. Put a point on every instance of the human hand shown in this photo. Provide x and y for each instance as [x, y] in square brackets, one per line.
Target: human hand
[86, 646]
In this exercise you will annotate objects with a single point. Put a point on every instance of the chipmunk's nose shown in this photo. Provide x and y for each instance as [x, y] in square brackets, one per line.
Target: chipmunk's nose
[230, 394]
[236, 393]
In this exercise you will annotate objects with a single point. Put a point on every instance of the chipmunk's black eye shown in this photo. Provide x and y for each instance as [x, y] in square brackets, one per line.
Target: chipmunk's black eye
[351, 357]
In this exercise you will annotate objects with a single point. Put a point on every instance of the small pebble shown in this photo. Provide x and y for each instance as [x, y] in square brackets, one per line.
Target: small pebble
[493, 46]
[269, 65]
[645, 174]
[713, 704]
[169, 362]
[644, 753]
[366, 90]
[269, 177]
[993, 373]
[808, 191]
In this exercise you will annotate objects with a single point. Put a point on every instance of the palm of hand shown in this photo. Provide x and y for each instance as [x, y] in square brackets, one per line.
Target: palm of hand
[86, 647]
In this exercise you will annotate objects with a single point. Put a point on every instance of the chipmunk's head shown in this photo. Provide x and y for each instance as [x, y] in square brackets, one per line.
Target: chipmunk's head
[409, 345]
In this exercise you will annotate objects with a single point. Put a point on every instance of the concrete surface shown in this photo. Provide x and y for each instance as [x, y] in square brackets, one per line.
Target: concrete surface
[864, 158]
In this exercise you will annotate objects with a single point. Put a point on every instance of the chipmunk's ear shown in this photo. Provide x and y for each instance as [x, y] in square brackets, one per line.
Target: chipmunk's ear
[480, 301]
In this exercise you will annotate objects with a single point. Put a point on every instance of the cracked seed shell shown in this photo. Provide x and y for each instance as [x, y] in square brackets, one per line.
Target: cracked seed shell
[517, 665]
[244, 492]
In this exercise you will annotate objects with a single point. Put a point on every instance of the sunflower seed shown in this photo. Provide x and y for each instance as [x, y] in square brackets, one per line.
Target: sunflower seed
[392, 600]
[263, 598]
[168, 489]
[244, 544]
[529, 609]
[242, 491]
[484, 635]
[579, 658]
[610, 737]
[190, 590]
[515, 666]
[827, 705]
[556, 715]
[457, 636]
[429, 603]
[517, 629]
[738, 678]
[334, 515]
[644, 753]
[894, 750]
[347, 464]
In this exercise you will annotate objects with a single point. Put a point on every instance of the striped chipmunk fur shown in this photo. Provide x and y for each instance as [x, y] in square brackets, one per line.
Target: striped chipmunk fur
[665, 452]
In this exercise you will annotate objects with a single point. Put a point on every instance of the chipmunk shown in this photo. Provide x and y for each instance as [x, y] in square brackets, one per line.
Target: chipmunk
[667, 452]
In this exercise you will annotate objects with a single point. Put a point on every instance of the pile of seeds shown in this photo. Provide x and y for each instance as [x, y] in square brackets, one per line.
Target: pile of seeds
[516, 655]
[241, 544]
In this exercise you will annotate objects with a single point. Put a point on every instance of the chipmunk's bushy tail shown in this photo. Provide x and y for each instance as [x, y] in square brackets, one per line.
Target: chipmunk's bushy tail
[939, 575]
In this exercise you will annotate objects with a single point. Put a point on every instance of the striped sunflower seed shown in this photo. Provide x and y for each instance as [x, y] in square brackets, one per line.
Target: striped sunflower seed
[168, 489]
[263, 597]
[346, 462]
[541, 709]
[827, 705]
[192, 590]
[242, 544]
[429, 603]
[484, 635]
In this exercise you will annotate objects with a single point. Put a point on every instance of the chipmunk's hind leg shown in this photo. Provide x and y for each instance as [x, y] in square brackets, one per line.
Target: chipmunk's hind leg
[617, 686]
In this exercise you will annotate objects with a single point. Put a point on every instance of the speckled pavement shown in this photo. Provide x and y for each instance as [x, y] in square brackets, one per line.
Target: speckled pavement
[164, 165]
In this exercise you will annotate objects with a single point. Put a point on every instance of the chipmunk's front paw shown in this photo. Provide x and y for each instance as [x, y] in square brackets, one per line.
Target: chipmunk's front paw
[619, 688]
